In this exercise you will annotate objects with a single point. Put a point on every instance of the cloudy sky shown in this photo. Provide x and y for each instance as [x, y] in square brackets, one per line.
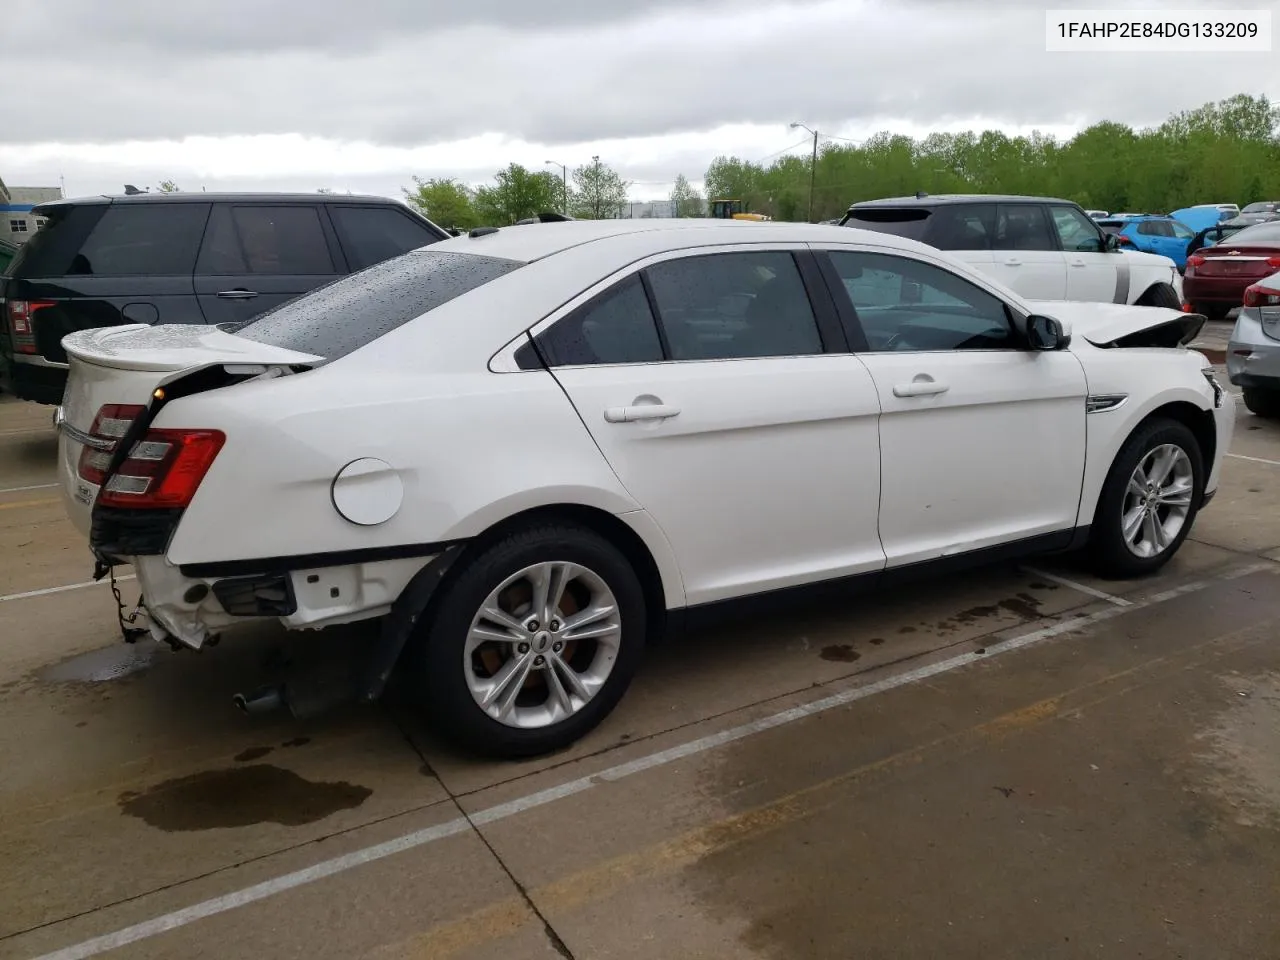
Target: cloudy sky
[361, 94]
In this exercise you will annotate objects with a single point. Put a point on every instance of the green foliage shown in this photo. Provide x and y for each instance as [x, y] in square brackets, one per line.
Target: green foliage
[517, 193]
[168, 186]
[444, 201]
[598, 192]
[1220, 152]
[685, 200]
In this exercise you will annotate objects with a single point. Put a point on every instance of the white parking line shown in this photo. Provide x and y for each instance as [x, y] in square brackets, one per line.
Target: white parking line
[409, 841]
[1079, 587]
[70, 586]
[1241, 456]
[36, 486]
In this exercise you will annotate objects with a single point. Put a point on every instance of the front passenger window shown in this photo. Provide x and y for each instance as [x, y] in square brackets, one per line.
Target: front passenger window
[906, 304]
[1076, 230]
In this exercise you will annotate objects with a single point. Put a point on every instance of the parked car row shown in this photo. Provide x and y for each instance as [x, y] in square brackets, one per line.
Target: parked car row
[199, 258]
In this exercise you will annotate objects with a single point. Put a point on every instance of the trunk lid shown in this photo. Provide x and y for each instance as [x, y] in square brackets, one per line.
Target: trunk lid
[1229, 260]
[122, 367]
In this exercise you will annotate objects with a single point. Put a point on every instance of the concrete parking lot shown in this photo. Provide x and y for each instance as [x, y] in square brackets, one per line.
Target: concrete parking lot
[1020, 762]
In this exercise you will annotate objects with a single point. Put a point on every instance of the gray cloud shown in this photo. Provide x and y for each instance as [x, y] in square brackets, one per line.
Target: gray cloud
[567, 71]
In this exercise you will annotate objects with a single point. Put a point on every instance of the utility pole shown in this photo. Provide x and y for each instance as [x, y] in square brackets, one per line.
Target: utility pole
[595, 204]
[564, 185]
[813, 165]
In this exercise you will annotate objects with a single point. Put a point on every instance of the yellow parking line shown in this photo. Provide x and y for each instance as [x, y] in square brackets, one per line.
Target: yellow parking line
[29, 503]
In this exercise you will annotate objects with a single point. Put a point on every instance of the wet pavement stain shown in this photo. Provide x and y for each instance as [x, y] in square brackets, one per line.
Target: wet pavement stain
[253, 753]
[296, 742]
[840, 653]
[877, 641]
[907, 629]
[99, 666]
[240, 797]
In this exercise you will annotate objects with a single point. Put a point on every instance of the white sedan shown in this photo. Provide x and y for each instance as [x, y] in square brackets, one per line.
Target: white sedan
[533, 450]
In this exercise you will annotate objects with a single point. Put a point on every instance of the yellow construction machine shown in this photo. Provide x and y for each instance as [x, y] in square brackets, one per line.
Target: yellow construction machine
[733, 210]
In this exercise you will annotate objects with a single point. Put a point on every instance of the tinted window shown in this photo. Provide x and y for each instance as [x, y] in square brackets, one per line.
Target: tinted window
[373, 234]
[1262, 206]
[962, 226]
[734, 305]
[1023, 226]
[1075, 230]
[1180, 231]
[1266, 232]
[615, 327]
[1151, 228]
[906, 222]
[348, 313]
[49, 252]
[287, 241]
[151, 239]
[904, 304]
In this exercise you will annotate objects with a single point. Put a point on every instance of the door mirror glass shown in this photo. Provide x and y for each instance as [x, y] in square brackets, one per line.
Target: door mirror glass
[1112, 244]
[1046, 333]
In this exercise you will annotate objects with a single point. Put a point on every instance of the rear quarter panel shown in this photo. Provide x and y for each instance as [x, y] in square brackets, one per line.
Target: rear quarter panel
[472, 449]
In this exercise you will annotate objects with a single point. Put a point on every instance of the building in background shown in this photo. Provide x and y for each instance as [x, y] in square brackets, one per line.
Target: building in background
[16, 220]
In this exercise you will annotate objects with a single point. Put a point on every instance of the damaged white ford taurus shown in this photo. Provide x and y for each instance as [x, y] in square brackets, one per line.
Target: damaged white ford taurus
[532, 450]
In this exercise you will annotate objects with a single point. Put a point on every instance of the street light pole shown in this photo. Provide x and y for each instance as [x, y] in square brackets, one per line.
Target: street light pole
[564, 185]
[813, 166]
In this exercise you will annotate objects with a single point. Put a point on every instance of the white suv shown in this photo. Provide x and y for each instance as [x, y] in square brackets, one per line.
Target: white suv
[1042, 248]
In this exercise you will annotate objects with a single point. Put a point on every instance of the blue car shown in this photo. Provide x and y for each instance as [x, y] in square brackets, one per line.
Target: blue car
[1152, 234]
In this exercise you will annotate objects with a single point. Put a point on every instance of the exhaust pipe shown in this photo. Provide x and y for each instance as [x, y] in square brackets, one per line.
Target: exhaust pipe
[263, 700]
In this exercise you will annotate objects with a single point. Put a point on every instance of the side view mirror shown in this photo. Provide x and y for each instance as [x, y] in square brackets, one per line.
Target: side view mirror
[1046, 333]
[1111, 244]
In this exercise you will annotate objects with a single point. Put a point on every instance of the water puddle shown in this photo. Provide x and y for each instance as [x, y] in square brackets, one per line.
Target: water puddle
[240, 797]
[99, 666]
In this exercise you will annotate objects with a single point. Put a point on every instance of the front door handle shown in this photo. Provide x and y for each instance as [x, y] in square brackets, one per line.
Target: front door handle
[237, 294]
[921, 386]
[640, 411]
[1079, 262]
[1013, 262]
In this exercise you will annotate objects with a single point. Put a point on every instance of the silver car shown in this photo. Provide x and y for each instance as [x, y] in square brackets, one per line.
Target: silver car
[1253, 355]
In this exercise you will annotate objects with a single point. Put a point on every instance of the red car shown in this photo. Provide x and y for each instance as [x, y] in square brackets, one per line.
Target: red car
[1216, 276]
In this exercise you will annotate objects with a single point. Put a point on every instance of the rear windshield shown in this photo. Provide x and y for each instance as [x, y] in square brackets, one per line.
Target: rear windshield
[906, 222]
[1262, 206]
[343, 316]
[1268, 232]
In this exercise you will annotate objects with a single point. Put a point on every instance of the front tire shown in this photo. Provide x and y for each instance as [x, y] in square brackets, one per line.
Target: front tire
[1149, 500]
[1262, 403]
[1160, 295]
[534, 642]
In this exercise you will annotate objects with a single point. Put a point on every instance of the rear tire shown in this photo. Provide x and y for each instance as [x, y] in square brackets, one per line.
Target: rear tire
[550, 707]
[1137, 528]
[1262, 402]
[1160, 295]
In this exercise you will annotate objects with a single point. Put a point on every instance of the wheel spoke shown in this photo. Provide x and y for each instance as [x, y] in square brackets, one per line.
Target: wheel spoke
[506, 685]
[495, 614]
[590, 615]
[576, 686]
[1149, 527]
[482, 634]
[558, 692]
[1162, 536]
[1176, 500]
[1133, 523]
[1137, 488]
[561, 574]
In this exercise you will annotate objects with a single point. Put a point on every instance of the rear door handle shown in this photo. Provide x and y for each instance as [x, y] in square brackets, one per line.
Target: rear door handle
[1079, 262]
[237, 294]
[1013, 262]
[640, 411]
[920, 388]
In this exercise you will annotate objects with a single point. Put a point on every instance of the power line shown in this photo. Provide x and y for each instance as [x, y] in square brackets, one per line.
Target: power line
[778, 153]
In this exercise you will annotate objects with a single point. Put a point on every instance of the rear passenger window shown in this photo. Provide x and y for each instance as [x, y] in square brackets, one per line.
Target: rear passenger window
[727, 306]
[1023, 226]
[373, 234]
[142, 239]
[284, 240]
[962, 226]
[615, 327]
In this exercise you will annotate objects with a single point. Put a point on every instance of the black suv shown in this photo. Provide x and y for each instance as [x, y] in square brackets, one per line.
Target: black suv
[180, 258]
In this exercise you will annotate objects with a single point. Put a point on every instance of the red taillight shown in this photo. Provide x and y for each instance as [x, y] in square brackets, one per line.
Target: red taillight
[163, 469]
[109, 427]
[1273, 262]
[22, 327]
[1260, 296]
[1195, 260]
[1123, 240]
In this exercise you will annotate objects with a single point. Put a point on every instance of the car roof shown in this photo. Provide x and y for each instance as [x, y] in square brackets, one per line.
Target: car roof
[202, 197]
[938, 198]
[529, 242]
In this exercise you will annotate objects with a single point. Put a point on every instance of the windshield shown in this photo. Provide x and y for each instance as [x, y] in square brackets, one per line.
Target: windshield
[343, 316]
[1262, 206]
